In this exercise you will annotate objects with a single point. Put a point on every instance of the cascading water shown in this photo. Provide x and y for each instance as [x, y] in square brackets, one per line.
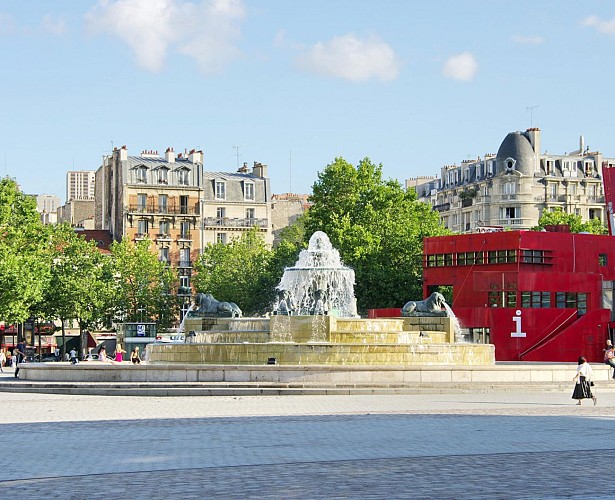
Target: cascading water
[180, 328]
[319, 283]
[455, 323]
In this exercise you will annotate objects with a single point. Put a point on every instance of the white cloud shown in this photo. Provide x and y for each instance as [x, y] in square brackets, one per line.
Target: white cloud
[606, 27]
[205, 31]
[351, 58]
[54, 25]
[461, 67]
[528, 40]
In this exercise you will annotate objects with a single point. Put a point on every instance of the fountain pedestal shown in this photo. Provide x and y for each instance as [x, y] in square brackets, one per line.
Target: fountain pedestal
[325, 340]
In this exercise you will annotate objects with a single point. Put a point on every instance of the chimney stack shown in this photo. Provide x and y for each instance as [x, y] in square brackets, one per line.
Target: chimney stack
[195, 156]
[259, 170]
[169, 155]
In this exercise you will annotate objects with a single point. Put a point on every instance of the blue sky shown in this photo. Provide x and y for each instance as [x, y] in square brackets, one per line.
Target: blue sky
[411, 85]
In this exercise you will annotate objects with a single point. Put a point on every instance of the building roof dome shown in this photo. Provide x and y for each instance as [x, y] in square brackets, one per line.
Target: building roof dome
[515, 153]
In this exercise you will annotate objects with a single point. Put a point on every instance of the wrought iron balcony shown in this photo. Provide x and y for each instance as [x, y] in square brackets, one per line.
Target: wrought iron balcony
[233, 222]
[152, 209]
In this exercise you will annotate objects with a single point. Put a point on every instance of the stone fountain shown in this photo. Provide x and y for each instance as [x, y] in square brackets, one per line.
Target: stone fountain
[314, 322]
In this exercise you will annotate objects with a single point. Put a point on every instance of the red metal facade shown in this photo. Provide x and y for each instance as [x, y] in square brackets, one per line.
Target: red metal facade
[539, 296]
[545, 285]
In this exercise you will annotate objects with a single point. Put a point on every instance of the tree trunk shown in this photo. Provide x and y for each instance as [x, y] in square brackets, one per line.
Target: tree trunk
[63, 353]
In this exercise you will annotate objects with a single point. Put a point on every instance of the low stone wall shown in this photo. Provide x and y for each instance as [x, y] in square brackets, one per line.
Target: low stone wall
[329, 376]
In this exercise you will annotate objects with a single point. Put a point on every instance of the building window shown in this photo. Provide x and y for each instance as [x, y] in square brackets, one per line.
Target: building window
[220, 190]
[249, 213]
[163, 175]
[164, 227]
[183, 204]
[141, 202]
[509, 188]
[163, 202]
[183, 177]
[508, 213]
[594, 213]
[221, 213]
[142, 227]
[502, 299]
[184, 257]
[141, 173]
[163, 255]
[571, 300]
[248, 190]
[535, 299]
[184, 230]
[534, 257]
[221, 238]
[501, 256]
[184, 281]
[602, 259]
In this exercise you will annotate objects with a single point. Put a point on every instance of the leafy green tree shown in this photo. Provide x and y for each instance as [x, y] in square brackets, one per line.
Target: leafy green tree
[23, 271]
[573, 221]
[238, 271]
[80, 286]
[143, 285]
[378, 228]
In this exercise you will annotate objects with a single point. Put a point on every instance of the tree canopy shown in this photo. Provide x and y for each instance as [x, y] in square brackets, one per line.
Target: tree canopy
[378, 228]
[23, 270]
[237, 271]
[573, 221]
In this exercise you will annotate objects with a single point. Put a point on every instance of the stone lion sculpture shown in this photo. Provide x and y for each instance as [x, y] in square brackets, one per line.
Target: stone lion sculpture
[431, 306]
[205, 306]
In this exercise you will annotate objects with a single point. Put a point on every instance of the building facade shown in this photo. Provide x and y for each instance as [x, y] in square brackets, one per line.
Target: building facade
[47, 206]
[172, 202]
[234, 202]
[511, 189]
[537, 296]
[80, 185]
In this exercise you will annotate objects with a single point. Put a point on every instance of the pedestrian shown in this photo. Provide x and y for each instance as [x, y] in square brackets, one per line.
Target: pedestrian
[609, 355]
[2, 359]
[73, 356]
[102, 353]
[119, 352]
[21, 355]
[582, 388]
[134, 356]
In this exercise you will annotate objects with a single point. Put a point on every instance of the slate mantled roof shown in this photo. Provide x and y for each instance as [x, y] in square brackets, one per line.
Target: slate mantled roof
[517, 146]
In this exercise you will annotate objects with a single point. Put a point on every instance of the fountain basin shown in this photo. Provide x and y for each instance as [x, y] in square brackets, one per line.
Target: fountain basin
[323, 340]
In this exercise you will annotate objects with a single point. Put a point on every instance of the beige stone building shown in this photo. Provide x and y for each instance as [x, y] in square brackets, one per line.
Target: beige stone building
[511, 189]
[171, 201]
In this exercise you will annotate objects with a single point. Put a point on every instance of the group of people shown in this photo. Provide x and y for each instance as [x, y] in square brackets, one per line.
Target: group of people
[118, 356]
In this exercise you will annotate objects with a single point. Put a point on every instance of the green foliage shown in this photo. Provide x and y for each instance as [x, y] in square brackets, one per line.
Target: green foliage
[237, 272]
[23, 270]
[378, 228]
[143, 285]
[573, 221]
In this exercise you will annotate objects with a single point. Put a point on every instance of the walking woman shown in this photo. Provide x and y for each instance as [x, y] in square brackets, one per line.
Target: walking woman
[582, 388]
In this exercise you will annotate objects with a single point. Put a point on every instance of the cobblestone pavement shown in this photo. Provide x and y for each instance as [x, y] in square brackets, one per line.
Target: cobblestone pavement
[491, 445]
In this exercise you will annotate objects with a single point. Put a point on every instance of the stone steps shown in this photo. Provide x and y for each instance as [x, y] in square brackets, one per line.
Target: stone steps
[164, 389]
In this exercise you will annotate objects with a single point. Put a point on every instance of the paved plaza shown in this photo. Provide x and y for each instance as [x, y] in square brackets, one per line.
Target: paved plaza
[488, 445]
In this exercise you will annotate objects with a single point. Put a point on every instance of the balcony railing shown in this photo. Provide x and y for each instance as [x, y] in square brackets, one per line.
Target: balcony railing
[233, 222]
[150, 208]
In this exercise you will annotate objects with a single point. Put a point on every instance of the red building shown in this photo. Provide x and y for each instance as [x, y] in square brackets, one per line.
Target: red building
[537, 296]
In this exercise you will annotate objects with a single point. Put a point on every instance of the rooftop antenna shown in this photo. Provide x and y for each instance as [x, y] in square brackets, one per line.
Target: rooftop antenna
[290, 170]
[531, 110]
[236, 148]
